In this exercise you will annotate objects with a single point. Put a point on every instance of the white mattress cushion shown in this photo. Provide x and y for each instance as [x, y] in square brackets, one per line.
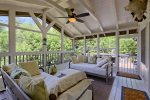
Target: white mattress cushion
[91, 68]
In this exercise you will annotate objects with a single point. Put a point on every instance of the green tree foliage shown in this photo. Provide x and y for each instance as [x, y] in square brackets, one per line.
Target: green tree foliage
[107, 45]
[28, 41]
[128, 45]
[4, 39]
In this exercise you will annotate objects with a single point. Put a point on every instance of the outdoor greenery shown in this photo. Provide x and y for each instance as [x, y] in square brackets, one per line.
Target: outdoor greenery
[28, 41]
[107, 45]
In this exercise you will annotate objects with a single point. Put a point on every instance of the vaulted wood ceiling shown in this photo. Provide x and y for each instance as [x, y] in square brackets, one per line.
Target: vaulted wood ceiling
[105, 15]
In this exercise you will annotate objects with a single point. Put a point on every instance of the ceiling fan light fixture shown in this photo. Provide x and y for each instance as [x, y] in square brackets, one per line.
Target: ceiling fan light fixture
[72, 20]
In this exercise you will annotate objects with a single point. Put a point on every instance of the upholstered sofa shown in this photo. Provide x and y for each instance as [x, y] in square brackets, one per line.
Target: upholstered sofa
[102, 67]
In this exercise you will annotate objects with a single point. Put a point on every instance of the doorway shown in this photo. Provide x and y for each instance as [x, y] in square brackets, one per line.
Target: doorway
[128, 55]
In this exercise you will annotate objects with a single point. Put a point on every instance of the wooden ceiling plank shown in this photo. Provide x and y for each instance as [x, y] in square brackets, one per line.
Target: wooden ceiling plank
[92, 14]
[115, 13]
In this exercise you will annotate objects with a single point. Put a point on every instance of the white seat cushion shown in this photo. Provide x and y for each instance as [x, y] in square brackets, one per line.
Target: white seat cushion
[91, 68]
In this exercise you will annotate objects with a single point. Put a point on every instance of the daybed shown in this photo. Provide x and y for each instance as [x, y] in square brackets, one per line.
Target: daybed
[67, 84]
[101, 67]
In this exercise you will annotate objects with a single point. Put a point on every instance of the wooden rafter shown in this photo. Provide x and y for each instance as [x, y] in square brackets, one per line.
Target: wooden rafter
[36, 20]
[62, 10]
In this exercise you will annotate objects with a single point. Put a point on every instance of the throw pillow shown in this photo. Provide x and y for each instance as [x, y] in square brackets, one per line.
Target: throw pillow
[31, 66]
[105, 65]
[102, 62]
[36, 89]
[74, 59]
[98, 60]
[9, 68]
[81, 58]
[17, 72]
[92, 59]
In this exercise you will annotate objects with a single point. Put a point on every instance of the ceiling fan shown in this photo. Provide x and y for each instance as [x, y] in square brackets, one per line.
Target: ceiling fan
[72, 17]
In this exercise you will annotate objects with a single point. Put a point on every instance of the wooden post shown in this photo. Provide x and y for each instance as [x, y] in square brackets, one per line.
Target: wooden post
[62, 44]
[148, 53]
[12, 36]
[117, 51]
[73, 44]
[98, 47]
[44, 38]
[85, 46]
[139, 51]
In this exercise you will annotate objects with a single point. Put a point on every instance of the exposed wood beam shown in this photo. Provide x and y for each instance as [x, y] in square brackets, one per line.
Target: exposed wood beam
[60, 1]
[19, 9]
[36, 20]
[115, 13]
[62, 25]
[50, 25]
[124, 29]
[59, 8]
[92, 14]
[25, 3]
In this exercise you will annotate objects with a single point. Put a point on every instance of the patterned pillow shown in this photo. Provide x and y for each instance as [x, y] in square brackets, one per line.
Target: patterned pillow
[74, 59]
[92, 59]
[17, 72]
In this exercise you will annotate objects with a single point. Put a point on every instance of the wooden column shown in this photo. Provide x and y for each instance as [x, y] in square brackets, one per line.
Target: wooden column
[139, 51]
[117, 51]
[98, 47]
[84, 47]
[73, 44]
[12, 36]
[44, 38]
[62, 44]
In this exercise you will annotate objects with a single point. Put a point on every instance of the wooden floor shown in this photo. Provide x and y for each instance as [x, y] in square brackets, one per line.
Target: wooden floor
[127, 82]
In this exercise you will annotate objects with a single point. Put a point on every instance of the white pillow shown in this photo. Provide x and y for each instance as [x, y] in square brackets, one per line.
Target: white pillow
[104, 66]
[99, 59]
[102, 62]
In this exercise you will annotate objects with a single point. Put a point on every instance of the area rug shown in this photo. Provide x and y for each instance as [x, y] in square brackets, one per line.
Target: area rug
[101, 89]
[133, 94]
[128, 75]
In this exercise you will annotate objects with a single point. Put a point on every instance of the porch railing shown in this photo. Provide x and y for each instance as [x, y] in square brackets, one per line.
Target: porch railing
[128, 63]
[55, 57]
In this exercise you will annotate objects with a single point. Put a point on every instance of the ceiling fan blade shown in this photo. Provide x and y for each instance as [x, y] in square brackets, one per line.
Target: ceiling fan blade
[79, 20]
[69, 11]
[68, 22]
[61, 17]
[82, 15]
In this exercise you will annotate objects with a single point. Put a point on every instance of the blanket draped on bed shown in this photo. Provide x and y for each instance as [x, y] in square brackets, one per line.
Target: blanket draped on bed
[69, 79]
